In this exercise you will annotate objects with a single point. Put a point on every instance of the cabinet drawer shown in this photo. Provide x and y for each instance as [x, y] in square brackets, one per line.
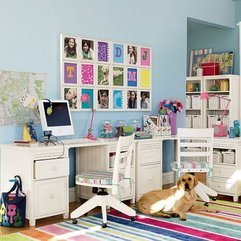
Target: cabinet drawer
[147, 145]
[50, 197]
[223, 185]
[223, 171]
[146, 157]
[149, 179]
[51, 168]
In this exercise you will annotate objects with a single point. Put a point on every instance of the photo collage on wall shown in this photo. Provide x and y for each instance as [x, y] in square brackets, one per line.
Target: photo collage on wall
[114, 75]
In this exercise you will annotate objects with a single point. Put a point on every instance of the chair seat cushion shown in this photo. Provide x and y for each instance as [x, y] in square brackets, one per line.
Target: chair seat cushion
[96, 177]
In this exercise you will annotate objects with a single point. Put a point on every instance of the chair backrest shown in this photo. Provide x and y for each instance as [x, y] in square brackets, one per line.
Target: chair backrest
[122, 162]
[195, 148]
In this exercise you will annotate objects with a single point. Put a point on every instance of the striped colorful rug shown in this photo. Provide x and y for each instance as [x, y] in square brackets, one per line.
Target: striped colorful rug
[225, 225]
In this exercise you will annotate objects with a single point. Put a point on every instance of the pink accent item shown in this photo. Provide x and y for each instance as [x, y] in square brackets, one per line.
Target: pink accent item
[86, 98]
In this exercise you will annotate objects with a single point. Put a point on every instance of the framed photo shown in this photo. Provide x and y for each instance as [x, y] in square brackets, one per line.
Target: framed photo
[131, 99]
[132, 55]
[71, 94]
[103, 72]
[70, 47]
[145, 78]
[103, 96]
[87, 50]
[118, 76]
[145, 100]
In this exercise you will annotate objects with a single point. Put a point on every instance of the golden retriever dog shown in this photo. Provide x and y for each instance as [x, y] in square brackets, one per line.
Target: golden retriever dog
[173, 201]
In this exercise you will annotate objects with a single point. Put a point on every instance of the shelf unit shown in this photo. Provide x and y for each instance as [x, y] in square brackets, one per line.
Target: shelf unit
[204, 113]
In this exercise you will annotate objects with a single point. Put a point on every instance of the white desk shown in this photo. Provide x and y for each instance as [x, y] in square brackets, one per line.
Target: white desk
[45, 170]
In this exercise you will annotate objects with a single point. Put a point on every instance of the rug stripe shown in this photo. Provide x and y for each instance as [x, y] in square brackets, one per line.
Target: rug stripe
[133, 230]
[179, 228]
[154, 226]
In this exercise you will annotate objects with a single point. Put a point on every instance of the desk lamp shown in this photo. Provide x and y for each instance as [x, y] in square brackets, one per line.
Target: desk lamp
[86, 98]
[220, 129]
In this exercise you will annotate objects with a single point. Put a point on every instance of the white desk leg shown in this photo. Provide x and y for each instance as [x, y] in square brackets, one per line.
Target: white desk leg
[32, 222]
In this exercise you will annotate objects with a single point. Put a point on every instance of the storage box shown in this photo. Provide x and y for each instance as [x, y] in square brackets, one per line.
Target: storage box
[228, 157]
[217, 156]
[188, 102]
[196, 102]
[210, 68]
[220, 130]
[188, 121]
[213, 103]
[196, 121]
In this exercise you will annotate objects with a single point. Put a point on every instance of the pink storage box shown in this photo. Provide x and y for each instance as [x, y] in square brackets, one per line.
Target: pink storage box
[210, 68]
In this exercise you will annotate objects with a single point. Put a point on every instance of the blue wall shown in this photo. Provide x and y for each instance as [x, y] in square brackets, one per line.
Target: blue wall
[30, 33]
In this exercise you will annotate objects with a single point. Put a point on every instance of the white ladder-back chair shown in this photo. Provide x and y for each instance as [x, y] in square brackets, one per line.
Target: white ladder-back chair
[195, 154]
[120, 177]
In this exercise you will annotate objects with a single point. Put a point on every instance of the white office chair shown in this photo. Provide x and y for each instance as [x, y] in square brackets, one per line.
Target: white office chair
[195, 154]
[120, 177]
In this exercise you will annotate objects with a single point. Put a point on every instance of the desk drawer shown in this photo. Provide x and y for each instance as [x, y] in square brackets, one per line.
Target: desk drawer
[223, 171]
[149, 179]
[51, 168]
[50, 197]
[146, 157]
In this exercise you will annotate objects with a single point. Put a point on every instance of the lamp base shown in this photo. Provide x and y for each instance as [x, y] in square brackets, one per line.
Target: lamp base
[90, 135]
[220, 130]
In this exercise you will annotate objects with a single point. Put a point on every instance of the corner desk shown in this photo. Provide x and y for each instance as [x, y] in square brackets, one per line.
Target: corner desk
[45, 171]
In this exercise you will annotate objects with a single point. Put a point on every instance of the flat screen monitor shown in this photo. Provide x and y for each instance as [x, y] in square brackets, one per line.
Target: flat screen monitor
[59, 121]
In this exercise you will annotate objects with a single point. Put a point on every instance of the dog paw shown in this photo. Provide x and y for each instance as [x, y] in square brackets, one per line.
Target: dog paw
[183, 219]
[214, 210]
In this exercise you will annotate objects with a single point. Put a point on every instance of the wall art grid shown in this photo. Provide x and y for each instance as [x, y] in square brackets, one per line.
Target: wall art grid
[116, 75]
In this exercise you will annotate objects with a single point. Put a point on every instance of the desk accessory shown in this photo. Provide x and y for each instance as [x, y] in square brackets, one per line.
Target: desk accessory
[86, 98]
[142, 135]
[220, 129]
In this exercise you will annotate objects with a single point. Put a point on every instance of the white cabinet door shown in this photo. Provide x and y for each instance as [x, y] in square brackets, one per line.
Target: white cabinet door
[50, 197]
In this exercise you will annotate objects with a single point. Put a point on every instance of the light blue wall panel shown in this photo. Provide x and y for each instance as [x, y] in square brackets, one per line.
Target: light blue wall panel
[30, 32]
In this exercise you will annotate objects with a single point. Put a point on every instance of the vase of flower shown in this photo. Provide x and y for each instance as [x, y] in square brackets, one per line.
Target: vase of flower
[173, 122]
[171, 107]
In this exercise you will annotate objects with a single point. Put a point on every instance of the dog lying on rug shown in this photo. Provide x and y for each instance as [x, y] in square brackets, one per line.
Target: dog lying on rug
[173, 201]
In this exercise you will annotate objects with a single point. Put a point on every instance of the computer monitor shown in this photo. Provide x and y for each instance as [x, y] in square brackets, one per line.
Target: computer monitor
[59, 121]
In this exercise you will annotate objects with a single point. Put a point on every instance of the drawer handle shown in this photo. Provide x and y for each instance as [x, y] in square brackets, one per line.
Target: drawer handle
[54, 168]
[51, 196]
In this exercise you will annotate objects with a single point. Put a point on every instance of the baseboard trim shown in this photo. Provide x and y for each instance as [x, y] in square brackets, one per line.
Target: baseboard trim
[72, 194]
[167, 178]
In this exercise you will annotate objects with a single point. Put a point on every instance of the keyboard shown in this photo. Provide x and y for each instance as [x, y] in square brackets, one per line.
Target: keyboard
[77, 141]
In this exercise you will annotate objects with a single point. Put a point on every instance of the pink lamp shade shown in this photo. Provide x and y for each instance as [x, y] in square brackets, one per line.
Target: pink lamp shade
[204, 96]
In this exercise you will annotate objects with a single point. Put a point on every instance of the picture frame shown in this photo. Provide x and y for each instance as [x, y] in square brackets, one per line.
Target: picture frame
[105, 67]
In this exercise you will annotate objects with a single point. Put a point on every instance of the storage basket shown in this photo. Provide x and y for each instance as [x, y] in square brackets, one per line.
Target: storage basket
[196, 121]
[213, 103]
[224, 103]
[188, 102]
[212, 119]
[196, 102]
[228, 157]
[188, 121]
[217, 156]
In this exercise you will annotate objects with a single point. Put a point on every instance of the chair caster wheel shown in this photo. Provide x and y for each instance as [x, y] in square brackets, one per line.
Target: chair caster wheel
[206, 204]
[133, 219]
[214, 198]
[74, 221]
[104, 225]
